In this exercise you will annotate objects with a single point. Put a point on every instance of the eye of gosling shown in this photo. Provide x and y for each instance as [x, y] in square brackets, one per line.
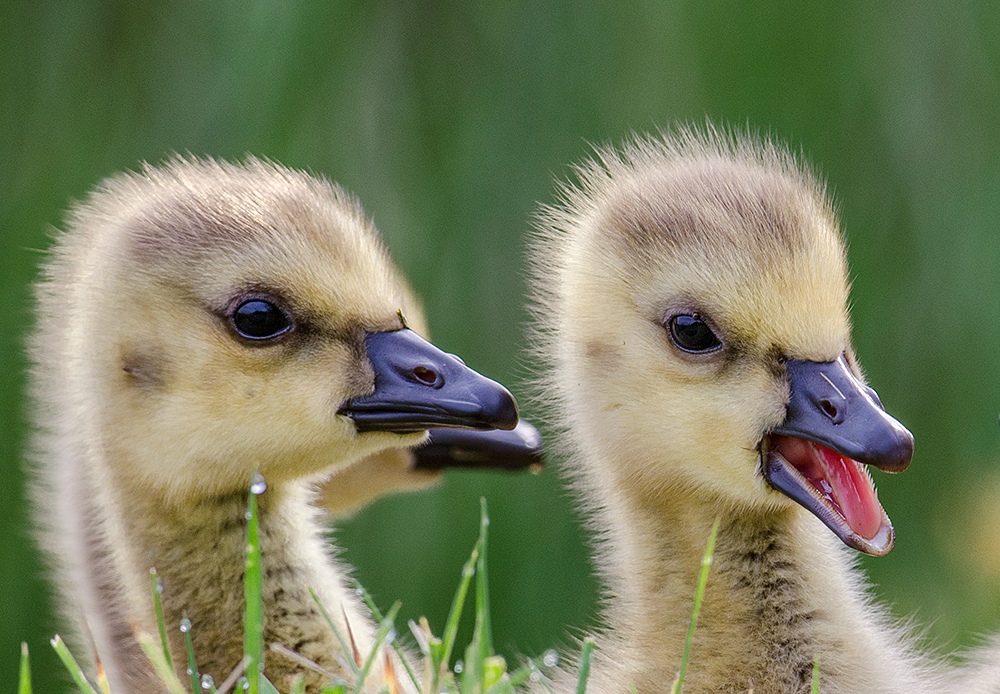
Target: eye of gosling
[690, 333]
[260, 319]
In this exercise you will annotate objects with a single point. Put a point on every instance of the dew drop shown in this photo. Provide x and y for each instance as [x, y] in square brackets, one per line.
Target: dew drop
[459, 667]
[190, 672]
[391, 636]
[258, 485]
[550, 658]
[535, 676]
[248, 515]
[185, 625]
[243, 683]
[359, 592]
[207, 682]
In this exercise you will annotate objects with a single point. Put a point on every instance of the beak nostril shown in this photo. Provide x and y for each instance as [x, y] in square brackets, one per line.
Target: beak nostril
[425, 375]
[829, 409]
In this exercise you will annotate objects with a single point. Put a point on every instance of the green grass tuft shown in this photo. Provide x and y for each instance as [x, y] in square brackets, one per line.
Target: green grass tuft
[483, 671]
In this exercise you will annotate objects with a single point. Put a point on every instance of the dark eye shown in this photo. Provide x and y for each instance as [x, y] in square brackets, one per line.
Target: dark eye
[691, 334]
[258, 319]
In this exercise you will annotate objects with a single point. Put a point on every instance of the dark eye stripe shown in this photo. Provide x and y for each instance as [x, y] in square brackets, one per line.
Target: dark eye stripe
[257, 319]
[692, 334]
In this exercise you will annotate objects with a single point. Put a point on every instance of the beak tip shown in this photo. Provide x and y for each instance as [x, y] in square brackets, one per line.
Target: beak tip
[504, 413]
[899, 454]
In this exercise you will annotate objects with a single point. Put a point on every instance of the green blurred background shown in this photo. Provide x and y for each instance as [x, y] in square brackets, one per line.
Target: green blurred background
[450, 120]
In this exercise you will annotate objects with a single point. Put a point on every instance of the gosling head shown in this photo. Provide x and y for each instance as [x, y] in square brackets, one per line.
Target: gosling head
[236, 318]
[699, 296]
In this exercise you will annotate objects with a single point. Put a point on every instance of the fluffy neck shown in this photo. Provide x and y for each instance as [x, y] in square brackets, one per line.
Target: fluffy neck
[198, 548]
[781, 592]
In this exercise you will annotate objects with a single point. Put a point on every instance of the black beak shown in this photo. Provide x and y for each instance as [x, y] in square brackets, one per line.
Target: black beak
[834, 426]
[514, 450]
[830, 406]
[418, 387]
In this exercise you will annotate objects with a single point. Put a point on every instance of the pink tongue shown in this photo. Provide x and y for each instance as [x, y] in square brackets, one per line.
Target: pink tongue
[852, 491]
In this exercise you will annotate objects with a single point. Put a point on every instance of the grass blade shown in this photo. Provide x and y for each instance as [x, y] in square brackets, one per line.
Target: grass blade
[457, 603]
[441, 653]
[253, 620]
[192, 665]
[160, 666]
[395, 644]
[585, 654]
[516, 679]
[287, 652]
[706, 564]
[480, 669]
[815, 681]
[336, 632]
[484, 628]
[157, 587]
[266, 687]
[71, 665]
[24, 680]
[384, 627]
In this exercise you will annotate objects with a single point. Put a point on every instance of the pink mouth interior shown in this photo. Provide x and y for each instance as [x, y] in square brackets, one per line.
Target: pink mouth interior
[839, 480]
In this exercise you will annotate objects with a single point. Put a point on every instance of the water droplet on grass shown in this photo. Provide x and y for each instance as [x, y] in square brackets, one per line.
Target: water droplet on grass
[207, 682]
[258, 485]
[185, 625]
[550, 658]
[459, 667]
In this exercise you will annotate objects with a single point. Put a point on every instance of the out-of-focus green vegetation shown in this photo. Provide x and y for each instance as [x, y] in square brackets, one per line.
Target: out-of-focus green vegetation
[450, 121]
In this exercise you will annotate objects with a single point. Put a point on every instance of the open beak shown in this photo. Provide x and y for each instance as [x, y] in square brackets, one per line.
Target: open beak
[418, 387]
[835, 426]
[514, 450]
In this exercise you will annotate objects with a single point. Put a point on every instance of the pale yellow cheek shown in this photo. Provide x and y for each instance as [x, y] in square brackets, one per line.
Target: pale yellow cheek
[672, 425]
[223, 410]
